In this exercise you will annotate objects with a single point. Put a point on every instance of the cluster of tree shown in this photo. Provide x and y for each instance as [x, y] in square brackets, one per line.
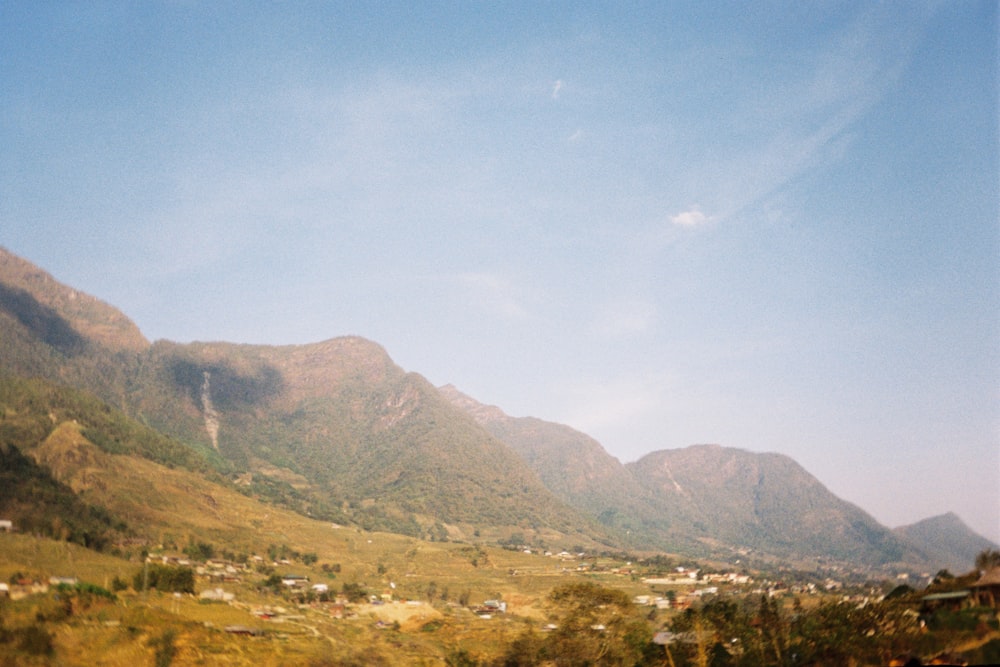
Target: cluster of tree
[164, 578]
[741, 633]
[590, 625]
[594, 625]
[279, 552]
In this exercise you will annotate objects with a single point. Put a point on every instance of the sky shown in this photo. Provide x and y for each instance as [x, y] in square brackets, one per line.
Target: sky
[771, 226]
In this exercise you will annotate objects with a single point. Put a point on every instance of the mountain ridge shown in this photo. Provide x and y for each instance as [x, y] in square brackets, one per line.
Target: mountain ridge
[337, 430]
[758, 502]
[948, 540]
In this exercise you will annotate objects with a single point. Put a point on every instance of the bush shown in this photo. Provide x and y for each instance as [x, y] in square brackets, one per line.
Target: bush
[164, 578]
[36, 640]
[165, 650]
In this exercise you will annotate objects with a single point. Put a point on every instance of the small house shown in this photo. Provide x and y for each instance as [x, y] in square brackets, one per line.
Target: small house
[953, 600]
[987, 589]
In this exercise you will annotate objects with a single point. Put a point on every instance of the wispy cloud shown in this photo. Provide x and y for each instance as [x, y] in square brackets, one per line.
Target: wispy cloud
[799, 121]
[689, 218]
[556, 88]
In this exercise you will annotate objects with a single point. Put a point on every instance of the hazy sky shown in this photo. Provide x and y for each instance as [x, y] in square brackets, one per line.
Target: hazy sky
[771, 226]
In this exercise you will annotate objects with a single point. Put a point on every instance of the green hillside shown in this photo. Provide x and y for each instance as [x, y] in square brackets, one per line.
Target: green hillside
[334, 430]
[578, 470]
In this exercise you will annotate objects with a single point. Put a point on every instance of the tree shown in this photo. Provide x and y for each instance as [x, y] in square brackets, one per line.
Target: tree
[526, 650]
[595, 626]
[987, 559]
[943, 576]
[354, 592]
[164, 648]
[164, 579]
[772, 627]
[838, 632]
[200, 551]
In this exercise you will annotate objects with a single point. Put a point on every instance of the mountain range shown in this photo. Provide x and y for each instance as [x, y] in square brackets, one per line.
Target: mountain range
[336, 430]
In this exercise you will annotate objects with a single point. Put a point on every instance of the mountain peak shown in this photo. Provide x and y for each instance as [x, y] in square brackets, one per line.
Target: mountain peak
[63, 317]
[947, 540]
[483, 414]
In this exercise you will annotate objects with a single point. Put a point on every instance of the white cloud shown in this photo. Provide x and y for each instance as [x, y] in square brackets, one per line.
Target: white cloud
[556, 87]
[576, 136]
[690, 218]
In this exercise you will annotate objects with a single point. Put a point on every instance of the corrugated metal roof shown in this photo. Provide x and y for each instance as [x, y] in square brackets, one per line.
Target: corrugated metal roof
[951, 595]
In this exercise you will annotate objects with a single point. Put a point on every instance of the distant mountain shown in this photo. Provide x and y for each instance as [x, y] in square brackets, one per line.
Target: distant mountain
[766, 502]
[947, 541]
[706, 500]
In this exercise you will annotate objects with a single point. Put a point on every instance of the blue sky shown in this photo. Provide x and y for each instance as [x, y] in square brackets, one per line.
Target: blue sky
[771, 226]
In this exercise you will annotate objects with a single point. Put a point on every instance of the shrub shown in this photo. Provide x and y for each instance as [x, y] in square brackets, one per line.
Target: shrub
[36, 640]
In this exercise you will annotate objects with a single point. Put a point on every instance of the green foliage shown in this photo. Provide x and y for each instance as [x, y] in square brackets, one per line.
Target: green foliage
[527, 650]
[354, 592]
[84, 591]
[200, 551]
[164, 578]
[731, 631]
[987, 559]
[35, 640]
[30, 410]
[596, 625]
[987, 654]
[586, 594]
[164, 648]
[943, 576]
[460, 658]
